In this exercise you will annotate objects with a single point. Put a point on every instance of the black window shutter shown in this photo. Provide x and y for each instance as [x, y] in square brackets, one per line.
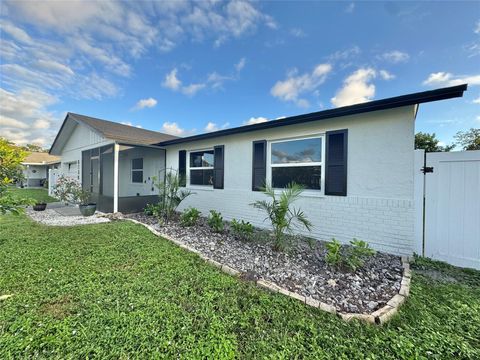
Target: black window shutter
[218, 166]
[182, 167]
[336, 162]
[259, 165]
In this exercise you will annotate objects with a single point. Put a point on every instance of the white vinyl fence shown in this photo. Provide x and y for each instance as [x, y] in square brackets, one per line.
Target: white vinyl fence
[451, 212]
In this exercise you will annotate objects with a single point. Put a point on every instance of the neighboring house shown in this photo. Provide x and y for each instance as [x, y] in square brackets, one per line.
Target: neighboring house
[35, 168]
[355, 162]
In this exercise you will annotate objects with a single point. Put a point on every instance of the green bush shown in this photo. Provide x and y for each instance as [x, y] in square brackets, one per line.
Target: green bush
[152, 210]
[334, 253]
[242, 229]
[190, 217]
[215, 221]
[352, 258]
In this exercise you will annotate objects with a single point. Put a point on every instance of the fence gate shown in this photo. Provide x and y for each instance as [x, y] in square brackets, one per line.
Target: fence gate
[452, 207]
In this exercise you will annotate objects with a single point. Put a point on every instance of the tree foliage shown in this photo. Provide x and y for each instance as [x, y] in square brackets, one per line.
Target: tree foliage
[430, 143]
[469, 139]
[11, 157]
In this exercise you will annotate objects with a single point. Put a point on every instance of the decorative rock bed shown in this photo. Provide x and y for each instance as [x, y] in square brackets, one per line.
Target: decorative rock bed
[373, 293]
[53, 218]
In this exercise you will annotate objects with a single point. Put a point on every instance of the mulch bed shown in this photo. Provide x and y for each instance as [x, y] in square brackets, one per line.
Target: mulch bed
[301, 269]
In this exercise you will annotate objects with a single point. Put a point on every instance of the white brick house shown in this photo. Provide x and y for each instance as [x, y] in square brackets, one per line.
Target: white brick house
[356, 164]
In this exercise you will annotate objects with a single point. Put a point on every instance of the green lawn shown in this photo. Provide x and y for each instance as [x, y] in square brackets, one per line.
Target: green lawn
[40, 195]
[116, 291]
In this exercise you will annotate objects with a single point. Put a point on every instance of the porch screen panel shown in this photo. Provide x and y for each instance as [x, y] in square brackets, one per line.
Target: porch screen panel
[86, 170]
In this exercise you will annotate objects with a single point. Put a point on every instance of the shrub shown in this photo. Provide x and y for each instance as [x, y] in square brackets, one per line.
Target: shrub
[359, 252]
[215, 221]
[152, 210]
[170, 195]
[352, 258]
[242, 229]
[282, 216]
[190, 217]
[68, 189]
[334, 253]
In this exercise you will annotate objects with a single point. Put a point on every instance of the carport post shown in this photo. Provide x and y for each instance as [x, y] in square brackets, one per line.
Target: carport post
[115, 177]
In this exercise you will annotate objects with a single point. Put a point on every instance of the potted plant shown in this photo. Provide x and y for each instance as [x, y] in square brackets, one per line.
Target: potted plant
[86, 207]
[39, 206]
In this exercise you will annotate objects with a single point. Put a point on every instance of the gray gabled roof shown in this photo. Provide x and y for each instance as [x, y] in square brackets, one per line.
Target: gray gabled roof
[115, 131]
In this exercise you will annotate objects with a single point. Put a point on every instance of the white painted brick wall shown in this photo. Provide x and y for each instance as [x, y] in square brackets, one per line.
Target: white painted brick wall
[386, 224]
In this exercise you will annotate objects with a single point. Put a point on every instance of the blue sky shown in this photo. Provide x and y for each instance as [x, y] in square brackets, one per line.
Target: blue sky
[190, 67]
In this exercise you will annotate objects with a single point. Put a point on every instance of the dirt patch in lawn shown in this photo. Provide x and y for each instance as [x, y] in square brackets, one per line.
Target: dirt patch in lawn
[59, 308]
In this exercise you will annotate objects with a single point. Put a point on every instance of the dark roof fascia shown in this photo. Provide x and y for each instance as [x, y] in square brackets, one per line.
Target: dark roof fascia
[383, 104]
[58, 134]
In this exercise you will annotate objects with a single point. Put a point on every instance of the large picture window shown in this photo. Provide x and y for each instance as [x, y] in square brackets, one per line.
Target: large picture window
[137, 170]
[297, 160]
[201, 167]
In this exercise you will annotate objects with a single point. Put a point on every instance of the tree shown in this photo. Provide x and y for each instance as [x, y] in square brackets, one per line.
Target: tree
[11, 157]
[469, 139]
[34, 148]
[430, 143]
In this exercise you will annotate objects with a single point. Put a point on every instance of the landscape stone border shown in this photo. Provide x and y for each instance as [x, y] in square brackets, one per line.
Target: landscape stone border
[379, 317]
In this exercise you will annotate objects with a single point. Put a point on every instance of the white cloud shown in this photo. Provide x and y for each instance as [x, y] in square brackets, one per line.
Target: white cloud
[171, 81]
[12, 123]
[345, 54]
[41, 124]
[395, 56]
[145, 103]
[172, 128]
[192, 89]
[478, 118]
[350, 8]
[297, 32]
[211, 127]
[15, 32]
[255, 120]
[385, 75]
[476, 101]
[477, 27]
[356, 88]
[240, 65]
[448, 79]
[25, 118]
[51, 65]
[131, 124]
[296, 85]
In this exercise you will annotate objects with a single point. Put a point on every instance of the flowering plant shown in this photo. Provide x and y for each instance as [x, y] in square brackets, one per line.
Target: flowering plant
[68, 189]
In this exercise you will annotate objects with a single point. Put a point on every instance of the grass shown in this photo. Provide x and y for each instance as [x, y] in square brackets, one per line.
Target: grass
[116, 291]
[40, 195]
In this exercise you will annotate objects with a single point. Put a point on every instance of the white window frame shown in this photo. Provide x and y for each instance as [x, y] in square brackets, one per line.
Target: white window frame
[306, 192]
[137, 170]
[204, 187]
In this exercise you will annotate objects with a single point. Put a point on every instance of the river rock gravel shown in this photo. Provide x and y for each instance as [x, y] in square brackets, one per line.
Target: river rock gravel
[53, 218]
[301, 269]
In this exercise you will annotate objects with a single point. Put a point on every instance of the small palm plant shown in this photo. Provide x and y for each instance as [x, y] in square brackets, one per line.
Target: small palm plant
[283, 217]
[170, 195]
